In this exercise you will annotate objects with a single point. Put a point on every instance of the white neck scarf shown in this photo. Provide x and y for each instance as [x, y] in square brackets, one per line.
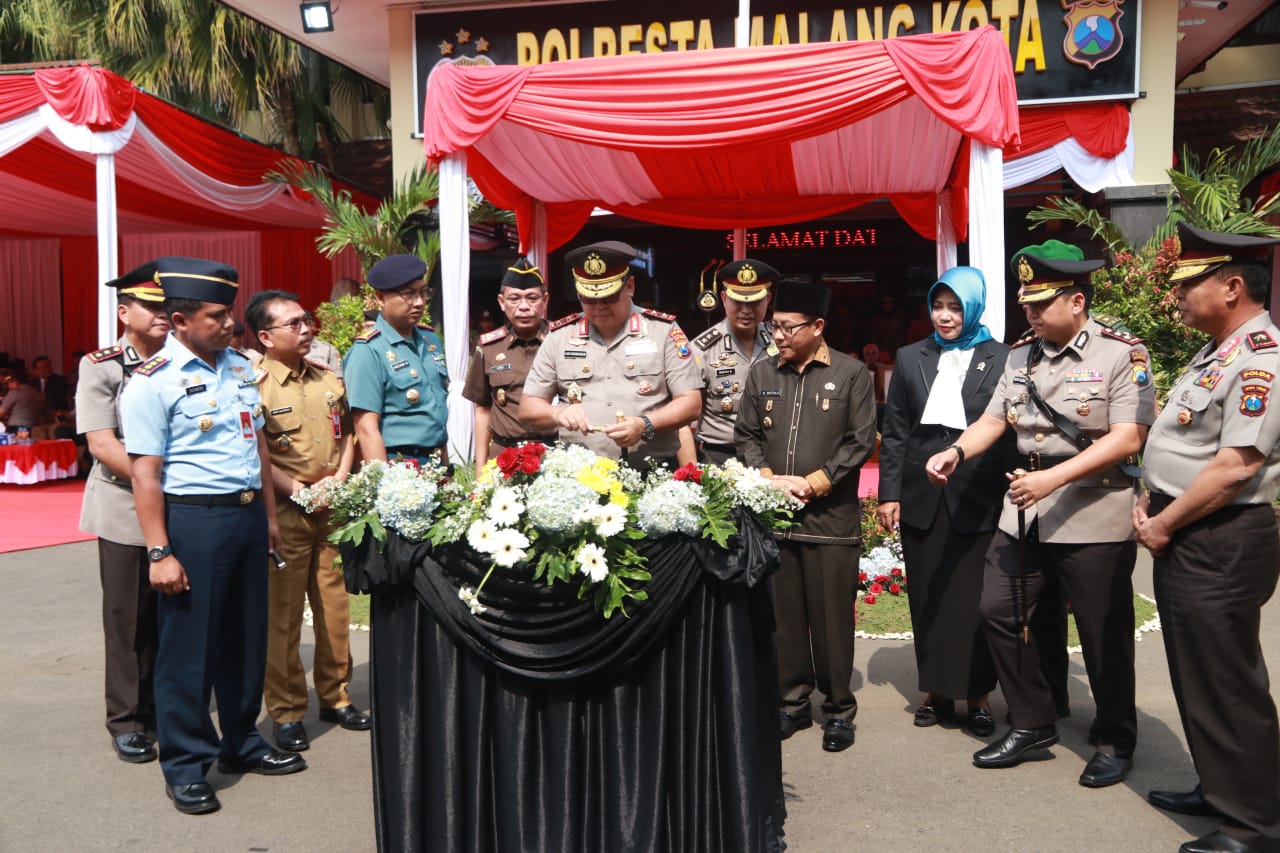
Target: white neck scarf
[946, 404]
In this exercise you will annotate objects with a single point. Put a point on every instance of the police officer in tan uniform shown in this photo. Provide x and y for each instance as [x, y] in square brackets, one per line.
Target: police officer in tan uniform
[1212, 466]
[501, 362]
[1079, 396]
[618, 379]
[308, 432]
[727, 350]
[128, 601]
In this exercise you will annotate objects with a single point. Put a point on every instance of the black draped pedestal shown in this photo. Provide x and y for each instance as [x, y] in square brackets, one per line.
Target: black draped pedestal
[539, 725]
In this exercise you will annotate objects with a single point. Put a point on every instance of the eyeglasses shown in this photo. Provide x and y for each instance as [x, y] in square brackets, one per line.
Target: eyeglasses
[413, 294]
[514, 299]
[604, 300]
[773, 326]
[295, 325]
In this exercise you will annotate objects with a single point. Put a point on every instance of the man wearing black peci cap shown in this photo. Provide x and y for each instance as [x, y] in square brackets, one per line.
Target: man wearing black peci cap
[395, 371]
[1079, 396]
[727, 350]
[192, 418]
[624, 376]
[1212, 466]
[501, 362]
[128, 601]
[808, 420]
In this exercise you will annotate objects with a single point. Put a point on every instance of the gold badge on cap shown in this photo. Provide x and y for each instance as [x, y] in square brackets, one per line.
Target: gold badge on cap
[501, 396]
[747, 275]
[1025, 273]
[206, 423]
[283, 443]
[412, 395]
[594, 265]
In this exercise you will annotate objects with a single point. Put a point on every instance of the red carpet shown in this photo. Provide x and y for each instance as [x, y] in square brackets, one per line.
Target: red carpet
[40, 515]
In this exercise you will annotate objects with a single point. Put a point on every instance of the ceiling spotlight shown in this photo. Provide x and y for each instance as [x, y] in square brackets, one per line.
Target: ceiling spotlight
[318, 17]
[1216, 5]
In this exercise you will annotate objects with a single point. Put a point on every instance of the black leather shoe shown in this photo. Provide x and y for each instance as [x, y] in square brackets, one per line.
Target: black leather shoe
[980, 722]
[1215, 842]
[837, 735]
[134, 747]
[273, 763]
[933, 711]
[1103, 770]
[1014, 746]
[1191, 802]
[789, 724]
[291, 736]
[348, 716]
[196, 798]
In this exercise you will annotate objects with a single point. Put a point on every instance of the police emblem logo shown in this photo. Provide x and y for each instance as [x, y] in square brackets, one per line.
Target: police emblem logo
[1025, 272]
[1253, 400]
[594, 265]
[1083, 410]
[707, 301]
[747, 275]
[501, 396]
[1093, 32]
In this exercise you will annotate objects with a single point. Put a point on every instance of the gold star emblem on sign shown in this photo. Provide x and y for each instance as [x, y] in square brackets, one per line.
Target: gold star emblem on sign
[446, 48]
[482, 45]
[463, 36]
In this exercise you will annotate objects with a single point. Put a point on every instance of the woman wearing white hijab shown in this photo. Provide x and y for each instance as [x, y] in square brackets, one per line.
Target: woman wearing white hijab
[940, 385]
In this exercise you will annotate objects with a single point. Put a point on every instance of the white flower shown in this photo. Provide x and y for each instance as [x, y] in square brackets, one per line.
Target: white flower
[671, 507]
[509, 547]
[592, 562]
[472, 598]
[482, 535]
[505, 507]
[609, 520]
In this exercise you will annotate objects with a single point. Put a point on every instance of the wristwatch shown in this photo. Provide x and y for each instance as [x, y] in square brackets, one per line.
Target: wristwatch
[647, 435]
[157, 554]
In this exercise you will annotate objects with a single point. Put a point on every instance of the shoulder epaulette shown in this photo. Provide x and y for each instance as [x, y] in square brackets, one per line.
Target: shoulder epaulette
[705, 340]
[658, 315]
[1261, 339]
[1111, 321]
[494, 336]
[320, 364]
[153, 365]
[260, 373]
[564, 321]
[1121, 335]
[367, 335]
[1027, 337]
[104, 354]
[426, 327]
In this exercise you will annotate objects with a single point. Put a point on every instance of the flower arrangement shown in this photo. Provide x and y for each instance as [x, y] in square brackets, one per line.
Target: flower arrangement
[881, 571]
[562, 513]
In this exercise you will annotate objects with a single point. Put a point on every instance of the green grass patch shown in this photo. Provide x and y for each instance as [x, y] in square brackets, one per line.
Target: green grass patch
[890, 615]
[359, 609]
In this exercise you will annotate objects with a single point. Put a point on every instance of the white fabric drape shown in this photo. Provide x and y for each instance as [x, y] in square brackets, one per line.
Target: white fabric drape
[946, 240]
[986, 228]
[228, 196]
[31, 299]
[455, 267]
[1091, 172]
[21, 130]
[77, 137]
[537, 252]
[108, 246]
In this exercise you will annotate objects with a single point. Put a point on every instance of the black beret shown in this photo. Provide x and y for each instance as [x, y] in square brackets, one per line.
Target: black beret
[811, 299]
[196, 278]
[395, 271]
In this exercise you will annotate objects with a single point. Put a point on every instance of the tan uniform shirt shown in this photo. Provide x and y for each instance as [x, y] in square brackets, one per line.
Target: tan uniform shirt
[724, 366]
[1223, 399]
[496, 375]
[645, 364]
[107, 511]
[1102, 377]
[307, 415]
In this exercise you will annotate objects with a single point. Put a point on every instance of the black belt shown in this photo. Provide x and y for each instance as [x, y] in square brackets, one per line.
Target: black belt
[503, 441]
[1037, 461]
[243, 498]
[1159, 501]
[719, 448]
[414, 450]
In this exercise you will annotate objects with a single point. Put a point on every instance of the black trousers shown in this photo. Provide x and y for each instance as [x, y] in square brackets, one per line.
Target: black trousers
[814, 592]
[213, 640]
[129, 636]
[1098, 581]
[1211, 584]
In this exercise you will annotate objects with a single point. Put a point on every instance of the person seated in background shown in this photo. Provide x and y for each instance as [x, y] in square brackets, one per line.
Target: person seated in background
[52, 386]
[23, 405]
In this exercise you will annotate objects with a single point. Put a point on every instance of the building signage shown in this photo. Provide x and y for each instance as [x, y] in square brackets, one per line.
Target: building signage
[805, 238]
[1061, 50]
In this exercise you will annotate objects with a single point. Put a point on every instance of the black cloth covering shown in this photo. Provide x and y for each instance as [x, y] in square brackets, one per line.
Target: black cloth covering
[539, 725]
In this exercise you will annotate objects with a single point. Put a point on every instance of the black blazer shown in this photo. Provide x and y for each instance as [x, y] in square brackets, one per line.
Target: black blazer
[975, 490]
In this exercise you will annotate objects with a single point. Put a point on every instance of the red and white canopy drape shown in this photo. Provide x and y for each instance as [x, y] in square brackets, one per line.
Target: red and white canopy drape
[734, 137]
[83, 152]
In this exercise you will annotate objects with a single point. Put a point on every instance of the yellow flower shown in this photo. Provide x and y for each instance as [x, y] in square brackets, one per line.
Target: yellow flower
[594, 480]
[617, 495]
[485, 477]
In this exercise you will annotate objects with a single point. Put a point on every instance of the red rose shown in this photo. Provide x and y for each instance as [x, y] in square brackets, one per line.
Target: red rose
[530, 464]
[897, 573]
[862, 577]
[876, 589]
[533, 448]
[508, 460]
[688, 471]
[869, 598]
[895, 588]
[882, 578]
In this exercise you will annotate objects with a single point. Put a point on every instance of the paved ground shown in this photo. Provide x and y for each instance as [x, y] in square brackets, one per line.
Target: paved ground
[898, 789]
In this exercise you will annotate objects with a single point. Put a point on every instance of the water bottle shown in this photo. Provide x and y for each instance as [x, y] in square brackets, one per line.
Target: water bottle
[24, 435]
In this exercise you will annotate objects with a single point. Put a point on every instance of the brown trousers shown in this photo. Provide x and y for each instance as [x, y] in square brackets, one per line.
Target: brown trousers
[309, 572]
[814, 593]
[129, 636]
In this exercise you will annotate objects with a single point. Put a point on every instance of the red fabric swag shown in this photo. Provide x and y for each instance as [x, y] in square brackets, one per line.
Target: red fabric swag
[93, 97]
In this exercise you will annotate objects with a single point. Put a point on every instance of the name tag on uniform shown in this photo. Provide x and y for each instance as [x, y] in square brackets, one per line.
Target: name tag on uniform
[400, 365]
[283, 410]
[642, 347]
[575, 353]
[725, 371]
[246, 425]
[498, 368]
[771, 392]
[195, 389]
